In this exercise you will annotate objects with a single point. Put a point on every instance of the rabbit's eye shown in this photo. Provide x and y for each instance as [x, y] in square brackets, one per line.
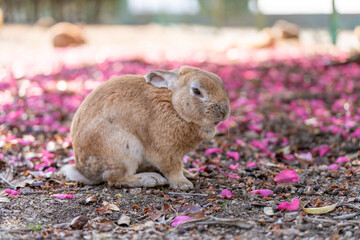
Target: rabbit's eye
[196, 92]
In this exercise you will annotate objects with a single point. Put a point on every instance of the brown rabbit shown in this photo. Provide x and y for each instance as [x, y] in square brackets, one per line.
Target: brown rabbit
[130, 125]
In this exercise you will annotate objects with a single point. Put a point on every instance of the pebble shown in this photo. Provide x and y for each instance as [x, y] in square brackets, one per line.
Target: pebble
[348, 234]
[39, 237]
[247, 206]
[278, 189]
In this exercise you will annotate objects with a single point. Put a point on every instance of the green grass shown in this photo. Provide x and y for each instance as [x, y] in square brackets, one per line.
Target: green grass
[35, 227]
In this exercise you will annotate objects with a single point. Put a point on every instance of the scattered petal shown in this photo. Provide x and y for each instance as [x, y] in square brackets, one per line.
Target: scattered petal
[234, 166]
[263, 192]
[342, 160]
[226, 194]
[12, 192]
[186, 159]
[63, 196]
[234, 155]
[251, 164]
[290, 206]
[213, 151]
[286, 175]
[333, 166]
[304, 156]
[240, 142]
[323, 149]
[179, 220]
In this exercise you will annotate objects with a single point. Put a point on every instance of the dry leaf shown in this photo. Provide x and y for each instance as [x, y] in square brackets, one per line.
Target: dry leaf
[268, 211]
[79, 222]
[105, 225]
[195, 212]
[20, 182]
[320, 210]
[91, 199]
[113, 207]
[124, 221]
[4, 199]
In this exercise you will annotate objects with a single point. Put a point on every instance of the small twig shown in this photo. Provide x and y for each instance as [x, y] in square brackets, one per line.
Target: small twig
[142, 217]
[47, 191]
[220, 221]
[352, 222]
[346, 216]
[350, 206]
[309, 219]
[6, 181]
[188, 194]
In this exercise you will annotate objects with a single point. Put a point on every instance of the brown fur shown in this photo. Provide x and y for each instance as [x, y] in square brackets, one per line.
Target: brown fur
[126, 126]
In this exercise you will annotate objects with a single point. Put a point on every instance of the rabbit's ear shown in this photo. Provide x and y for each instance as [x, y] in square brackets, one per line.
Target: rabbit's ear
[186, 69]
[162, 78]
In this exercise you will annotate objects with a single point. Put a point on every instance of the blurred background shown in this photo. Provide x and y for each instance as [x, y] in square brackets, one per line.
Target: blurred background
[213, 25]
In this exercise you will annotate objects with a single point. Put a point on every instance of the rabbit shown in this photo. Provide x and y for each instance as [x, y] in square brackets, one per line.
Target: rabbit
[131, 125]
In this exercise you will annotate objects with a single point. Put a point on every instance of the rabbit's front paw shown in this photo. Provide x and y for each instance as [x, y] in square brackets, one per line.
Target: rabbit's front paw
[151, 179]
[183, 184]
[190, 175]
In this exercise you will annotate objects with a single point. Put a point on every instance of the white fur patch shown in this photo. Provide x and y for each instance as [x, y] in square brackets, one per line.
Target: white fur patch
[72, 174]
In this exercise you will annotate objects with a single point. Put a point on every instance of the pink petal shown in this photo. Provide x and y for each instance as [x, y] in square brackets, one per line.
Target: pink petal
[333, 166]
[226, 194]
[63, 196]
[287, 175]
[289, 157]
[179, 220]
[263, 192]
[50, 169]
[342, 160]
[186, 158]
[240, 142]
[233, 176]
[12, 192]
[323, 149]
[262, 147]
[234, 166]
[305, 156]
[193, 169]
[271, 135]
[213, 150]
[285, 142]
[202, 168]
[251, 164]
[234, 155]
[356, 133]
[255, 128]
[290, 206]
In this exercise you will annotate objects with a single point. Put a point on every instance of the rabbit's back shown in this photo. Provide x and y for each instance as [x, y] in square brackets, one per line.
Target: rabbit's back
[128, 107]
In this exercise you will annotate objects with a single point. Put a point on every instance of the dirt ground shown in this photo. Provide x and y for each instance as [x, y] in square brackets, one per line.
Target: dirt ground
[140, 213]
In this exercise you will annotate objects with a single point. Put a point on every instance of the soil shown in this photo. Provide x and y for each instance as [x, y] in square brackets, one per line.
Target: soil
[35, 213]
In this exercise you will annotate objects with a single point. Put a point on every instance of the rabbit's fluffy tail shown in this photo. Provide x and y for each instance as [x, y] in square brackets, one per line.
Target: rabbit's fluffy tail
[73, 174]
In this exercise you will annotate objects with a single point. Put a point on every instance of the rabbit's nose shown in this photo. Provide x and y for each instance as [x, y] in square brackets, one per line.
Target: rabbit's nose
[224, 110]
